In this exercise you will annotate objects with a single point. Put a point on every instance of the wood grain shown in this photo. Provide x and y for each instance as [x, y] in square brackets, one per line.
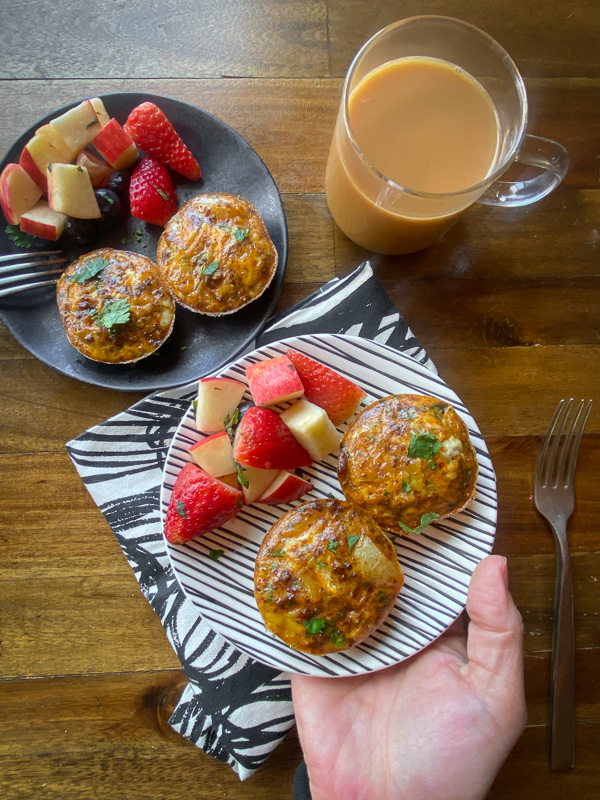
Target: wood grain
[566, 46]
[141, 40]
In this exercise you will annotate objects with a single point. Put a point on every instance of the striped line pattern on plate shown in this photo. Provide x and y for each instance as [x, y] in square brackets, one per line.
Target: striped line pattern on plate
[437, 564]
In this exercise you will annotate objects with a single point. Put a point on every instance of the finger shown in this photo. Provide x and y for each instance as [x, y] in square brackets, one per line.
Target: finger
[495, 636]
[454, 640]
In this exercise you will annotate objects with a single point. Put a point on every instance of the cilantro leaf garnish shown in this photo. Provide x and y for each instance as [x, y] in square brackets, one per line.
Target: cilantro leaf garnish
[276, 553]
[352, 540]
[230, 421]
[138, 233]
[382, 597]
[195, 404]
[216, 554]
[241, 233]
[164, 195]
[211, 268]
[336, 638]
[91, 269]
[438, 409]
[405, 486]
[16, 235]
[113, 314]
[223, 226]
[426, 520]
[240, 475]
[314, 626]
[321, 564]
[333, 545]
[423, 445]
[181, 509]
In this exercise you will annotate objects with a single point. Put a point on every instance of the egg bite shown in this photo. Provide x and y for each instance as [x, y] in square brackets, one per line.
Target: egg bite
[407, 459]
[114, 306]
[325, 577]
[216, 255]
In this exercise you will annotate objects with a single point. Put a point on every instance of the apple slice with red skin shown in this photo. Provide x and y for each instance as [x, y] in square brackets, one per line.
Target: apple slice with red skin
[116, 145]
[217, 399]
[286, 488]
[257, 480]
[98, 169]
[18, 193]
[38, 153]
[77, 126]
[214, 454]
[42, 221]
[274, 381]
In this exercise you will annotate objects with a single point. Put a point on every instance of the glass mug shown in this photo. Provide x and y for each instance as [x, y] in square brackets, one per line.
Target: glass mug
[387, 217]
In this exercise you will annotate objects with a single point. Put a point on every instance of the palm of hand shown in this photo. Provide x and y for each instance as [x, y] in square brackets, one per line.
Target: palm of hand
[438, 726]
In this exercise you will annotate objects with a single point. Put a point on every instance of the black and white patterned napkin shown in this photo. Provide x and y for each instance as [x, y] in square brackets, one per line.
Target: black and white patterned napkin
[233, 707]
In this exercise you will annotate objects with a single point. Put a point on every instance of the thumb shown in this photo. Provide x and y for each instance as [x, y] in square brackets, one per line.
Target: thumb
[495, 636]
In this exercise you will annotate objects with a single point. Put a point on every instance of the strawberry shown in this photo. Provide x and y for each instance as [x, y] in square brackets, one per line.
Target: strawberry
[151, 193]
[324, 387]
[151, 130]
[199, 504]
[263, 440]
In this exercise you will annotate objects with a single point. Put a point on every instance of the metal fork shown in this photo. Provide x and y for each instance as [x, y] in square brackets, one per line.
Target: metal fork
[19, 280]
[554, 497]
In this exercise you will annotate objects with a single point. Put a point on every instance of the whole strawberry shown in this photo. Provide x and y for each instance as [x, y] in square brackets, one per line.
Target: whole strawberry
[199, 504]
[151, 193]
[151, 130]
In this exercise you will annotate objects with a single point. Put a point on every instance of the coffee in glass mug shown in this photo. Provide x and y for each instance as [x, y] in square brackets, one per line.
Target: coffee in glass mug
[433, 111]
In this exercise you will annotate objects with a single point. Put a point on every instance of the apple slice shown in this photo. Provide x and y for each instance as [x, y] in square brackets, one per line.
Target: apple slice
[274, 381]
[116, 145]
[312, 428]
[217, 398]
[42, 221]
[78, 126]
[257, 480]
[231, 480]
[18, 193]
[98, 169]
[214, 454]
[70, 191]
[286, 488]
[101, 112]
[37, 154]
[56, 140]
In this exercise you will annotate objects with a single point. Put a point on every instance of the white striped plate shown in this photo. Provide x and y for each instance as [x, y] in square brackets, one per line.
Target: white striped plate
[437, 563]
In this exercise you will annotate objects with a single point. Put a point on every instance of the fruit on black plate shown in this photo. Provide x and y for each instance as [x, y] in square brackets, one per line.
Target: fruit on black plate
[118, 183]
[82, 231]
[111, 207]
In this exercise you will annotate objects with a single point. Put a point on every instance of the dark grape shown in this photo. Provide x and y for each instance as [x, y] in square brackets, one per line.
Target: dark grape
[118, 183]
[81, 231]
[110, 205]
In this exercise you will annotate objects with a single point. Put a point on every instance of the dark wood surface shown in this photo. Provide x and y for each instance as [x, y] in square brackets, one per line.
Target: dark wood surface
[508, 305]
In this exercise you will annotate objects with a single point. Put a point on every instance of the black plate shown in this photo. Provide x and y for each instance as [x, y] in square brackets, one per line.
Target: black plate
[199, 344]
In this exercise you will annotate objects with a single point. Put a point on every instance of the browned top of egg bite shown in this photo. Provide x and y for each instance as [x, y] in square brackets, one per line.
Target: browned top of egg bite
[114, 306]
[216, 255]
[326, 576]
[406, 456]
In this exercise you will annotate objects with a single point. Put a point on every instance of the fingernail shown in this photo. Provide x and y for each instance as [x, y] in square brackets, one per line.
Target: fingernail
[504, 570]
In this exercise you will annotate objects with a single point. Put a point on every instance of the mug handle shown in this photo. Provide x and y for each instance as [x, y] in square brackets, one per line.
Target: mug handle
[545, 154]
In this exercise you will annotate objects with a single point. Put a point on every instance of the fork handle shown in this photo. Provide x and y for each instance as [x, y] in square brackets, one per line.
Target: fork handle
[562, 725]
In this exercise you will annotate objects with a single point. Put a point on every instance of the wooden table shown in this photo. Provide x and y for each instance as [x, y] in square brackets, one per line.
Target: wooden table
[508, 306]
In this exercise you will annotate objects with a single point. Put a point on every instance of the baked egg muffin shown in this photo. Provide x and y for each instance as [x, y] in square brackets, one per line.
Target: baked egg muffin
[407, 459]
[114, 306]
[216, 255]
[326, 576]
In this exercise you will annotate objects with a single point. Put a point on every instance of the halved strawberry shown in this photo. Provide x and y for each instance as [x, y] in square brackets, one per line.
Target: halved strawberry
[326, 388]
[263, 440]
[150, 129]
[199, 504]
[151, 193]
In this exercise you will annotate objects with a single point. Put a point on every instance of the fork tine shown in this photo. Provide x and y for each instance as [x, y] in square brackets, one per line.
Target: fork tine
[552, 461]
[12, 256]
[575, 449]
[25, 286]
[541, 470]
[559, 476]
[26, 265]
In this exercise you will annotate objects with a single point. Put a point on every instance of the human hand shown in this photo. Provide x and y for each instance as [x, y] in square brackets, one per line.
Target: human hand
[437, 727]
